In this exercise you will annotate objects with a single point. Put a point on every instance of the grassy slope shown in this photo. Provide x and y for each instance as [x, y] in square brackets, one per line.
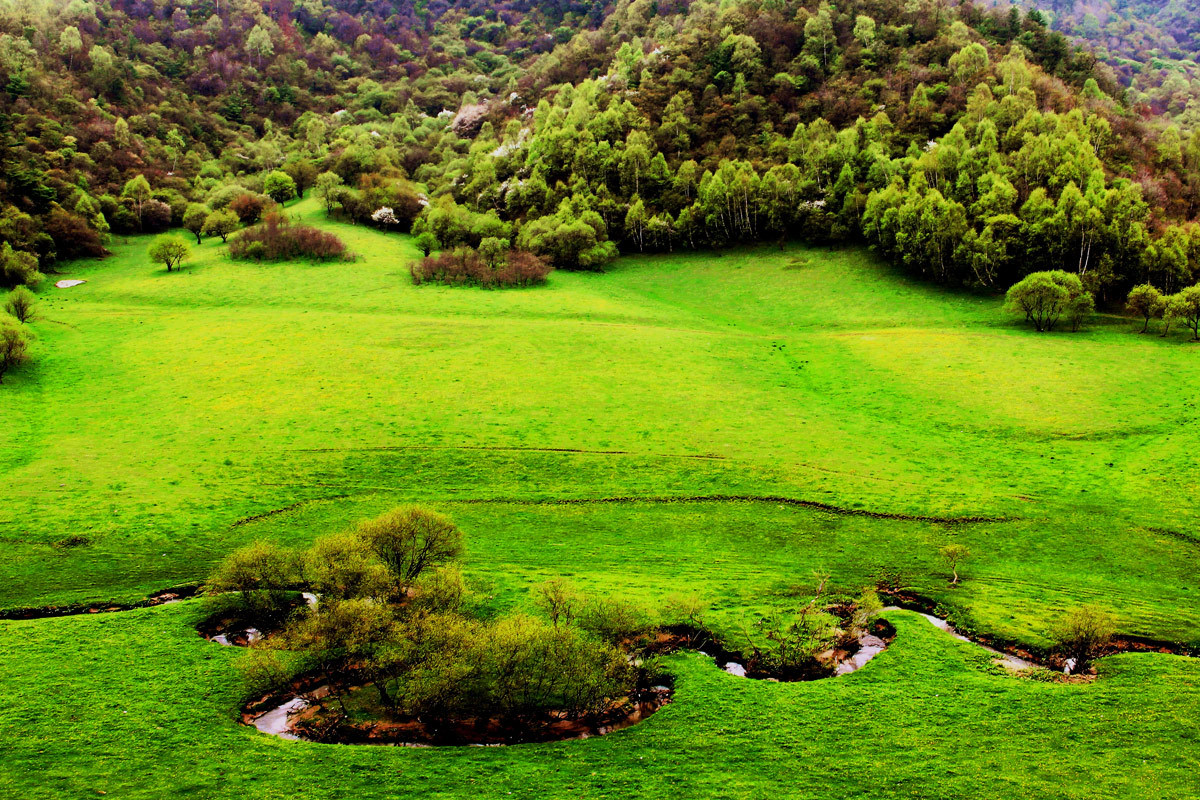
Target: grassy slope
[165, 408]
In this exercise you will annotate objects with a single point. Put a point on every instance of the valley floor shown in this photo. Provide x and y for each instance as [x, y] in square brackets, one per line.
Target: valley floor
[677, 402]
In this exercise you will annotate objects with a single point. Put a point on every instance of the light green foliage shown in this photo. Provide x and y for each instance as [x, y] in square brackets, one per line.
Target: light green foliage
[1082, 633]
[954, 554]
[194, 218]
[1144, 301]
[21, 304]
[1045, 297]
[168, 250]
[18, 268]
[220, 223]
[279, 186]
[14, 346]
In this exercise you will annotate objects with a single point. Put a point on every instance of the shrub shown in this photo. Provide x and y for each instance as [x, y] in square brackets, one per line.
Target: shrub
[277, 239]
[1044, 297]
[248, 207]
[73, 237]
[18, 268]
[465, 266]
[14, 346]
[1082, 633]
[260, 575]
[1144, 300]
[21, 304]
[343, 566]
[279, 186]
[156, 216]
[194, 218]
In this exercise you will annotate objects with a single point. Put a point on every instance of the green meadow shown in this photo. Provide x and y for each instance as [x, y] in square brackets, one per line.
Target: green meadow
[636, 431]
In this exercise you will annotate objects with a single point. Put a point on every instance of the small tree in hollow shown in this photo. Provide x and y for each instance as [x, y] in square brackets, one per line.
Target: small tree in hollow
[168, 250]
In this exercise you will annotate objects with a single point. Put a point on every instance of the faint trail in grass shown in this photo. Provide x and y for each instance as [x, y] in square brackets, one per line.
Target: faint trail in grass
[508, 449]
[813, 505]
[286, 509]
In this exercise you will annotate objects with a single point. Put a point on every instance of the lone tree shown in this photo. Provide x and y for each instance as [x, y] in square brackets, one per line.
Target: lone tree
[169, 250]
[1185, 306]
[22, 304]
[1044, 297]
[14, 346]
[1082, 633]
[221, 223]
[194, 218]
[410, 539]
[1145, 301]
[954, 554]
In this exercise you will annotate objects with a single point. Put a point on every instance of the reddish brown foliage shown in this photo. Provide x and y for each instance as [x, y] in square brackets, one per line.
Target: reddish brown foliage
[466, 267]
[278, 239]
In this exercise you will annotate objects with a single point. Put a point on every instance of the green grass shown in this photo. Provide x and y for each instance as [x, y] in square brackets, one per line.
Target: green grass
[166, 413]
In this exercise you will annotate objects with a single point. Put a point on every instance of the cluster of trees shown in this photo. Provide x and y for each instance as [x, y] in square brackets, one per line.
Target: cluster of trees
[1045, 298]
[494, 264]
[393, 610]
[1182, 307]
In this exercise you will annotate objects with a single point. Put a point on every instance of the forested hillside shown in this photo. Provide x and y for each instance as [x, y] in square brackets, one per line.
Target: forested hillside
[1151, 46]
[971, 146]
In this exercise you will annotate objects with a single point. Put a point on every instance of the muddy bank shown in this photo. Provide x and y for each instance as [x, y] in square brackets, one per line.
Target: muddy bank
[160, 598]
[300, 715]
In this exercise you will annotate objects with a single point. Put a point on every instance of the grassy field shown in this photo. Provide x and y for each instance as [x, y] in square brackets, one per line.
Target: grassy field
[169, 418]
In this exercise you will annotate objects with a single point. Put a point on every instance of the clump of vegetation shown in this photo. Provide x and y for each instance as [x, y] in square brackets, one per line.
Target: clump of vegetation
[490, 268]
[791, 645]
[277, 238]
[1046, 297]
[1082, 633]
[392, 611]
[21, 304]
[168, 250]
[14, 346]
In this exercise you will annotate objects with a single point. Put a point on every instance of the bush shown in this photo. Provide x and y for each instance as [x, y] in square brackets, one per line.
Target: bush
[248, 207]
[260, 574]
[220, 223]
[1044, 297]
[14, 346]
[279, 186]
[279, 239]
[1082, 633]
[464, 266]
[18, 268]
[21, 304]
[73, 237]
[410, 539]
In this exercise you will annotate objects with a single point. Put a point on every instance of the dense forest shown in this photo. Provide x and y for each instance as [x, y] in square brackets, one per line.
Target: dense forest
[971, 145]
[1152, 47]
